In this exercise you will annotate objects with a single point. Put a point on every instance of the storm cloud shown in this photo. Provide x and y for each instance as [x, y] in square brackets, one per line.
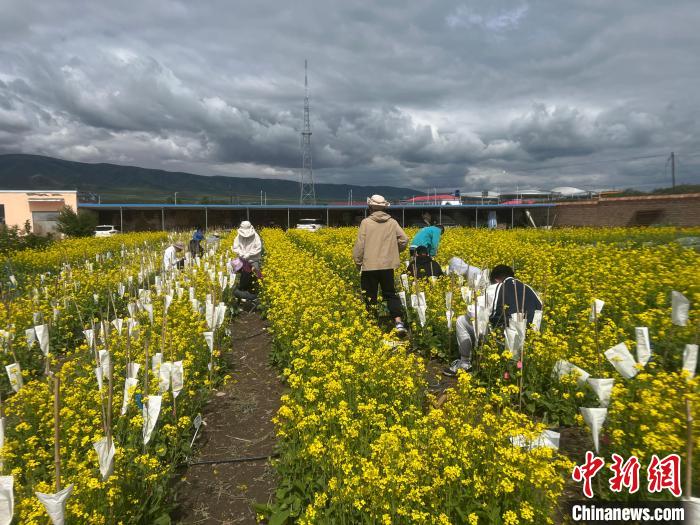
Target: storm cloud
[472, 95]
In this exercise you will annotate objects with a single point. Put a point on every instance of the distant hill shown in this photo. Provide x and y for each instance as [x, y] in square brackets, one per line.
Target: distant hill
[115, 183]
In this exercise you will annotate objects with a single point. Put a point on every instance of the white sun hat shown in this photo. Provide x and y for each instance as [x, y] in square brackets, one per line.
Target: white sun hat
[246, 229]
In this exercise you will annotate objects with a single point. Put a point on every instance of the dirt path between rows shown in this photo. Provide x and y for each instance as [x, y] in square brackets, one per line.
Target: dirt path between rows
[238, 424]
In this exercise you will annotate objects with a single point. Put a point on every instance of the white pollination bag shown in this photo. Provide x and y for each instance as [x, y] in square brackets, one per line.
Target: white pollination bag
[449, 314]
[177, 377]
[548, 439]
[690, 359]
[537, 320]
[164, 377]
[55, 504]
[105, 456]
[402, 296]
[643, 345]
[89, 336]
[118, 324]
[31, 337]
[404, 281]
[622, 360]
[151, 410]
[14, 374]
[679, 308]
[594, 418]
[602, 386]
[42, 334]
[7, 499]
[563, 368]
[129, 385]
[156, 361]
[209, 338]
[132, 370]
[596, 308]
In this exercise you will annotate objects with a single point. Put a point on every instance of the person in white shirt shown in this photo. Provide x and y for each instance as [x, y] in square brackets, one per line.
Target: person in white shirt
[248, 245]
[170, 260]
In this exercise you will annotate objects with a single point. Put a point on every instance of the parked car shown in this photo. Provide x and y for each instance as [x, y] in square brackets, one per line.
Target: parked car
[105, 230]
[310, 225]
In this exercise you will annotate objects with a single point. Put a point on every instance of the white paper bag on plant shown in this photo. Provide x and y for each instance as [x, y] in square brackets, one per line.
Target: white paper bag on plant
[121, 289]
[129, 384]
[132, 326]
[149, 308]
[195, 305]
[414, 301]
[42, 335]
[14, 374]
[404, 281]
[118, 324]
[36, 316]
[643, 345]
[105, 361]
[209, 338]
[679, 308]
[210, 315]
[177, 377]
[131, 307]
[151, 410]
[449, 314]
[594, 418]
[563, 368]
[622, 360]
[132, 370]
[602, 386]
[448, 300]
[168, 299]
[514, 342]
[105, 456]
[156, 361]
[55, 504]
[537, 320]
[7, 499]
[219, 315]
[100, 378]
[402, 296]
[690, 359]
[596, 308]
[31, 337]
[466, 295]
[164, 377]
[421, 314]
[548, 439]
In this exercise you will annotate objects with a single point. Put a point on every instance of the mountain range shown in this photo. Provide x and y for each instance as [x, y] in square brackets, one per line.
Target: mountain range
[116, 183]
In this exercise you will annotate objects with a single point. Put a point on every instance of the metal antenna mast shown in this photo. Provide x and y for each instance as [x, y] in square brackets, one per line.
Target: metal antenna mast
[306, 177]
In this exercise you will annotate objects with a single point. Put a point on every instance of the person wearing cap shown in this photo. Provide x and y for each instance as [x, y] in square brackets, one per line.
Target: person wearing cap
[248, 245]
[376, 253]
[170, 260]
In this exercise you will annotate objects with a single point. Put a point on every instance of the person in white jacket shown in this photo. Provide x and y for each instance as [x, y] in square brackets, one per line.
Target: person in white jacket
[170, 260]
[248, 245]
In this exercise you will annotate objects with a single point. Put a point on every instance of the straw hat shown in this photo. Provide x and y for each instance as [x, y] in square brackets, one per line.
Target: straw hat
[179, 246]
[246, 229]
[377, 201]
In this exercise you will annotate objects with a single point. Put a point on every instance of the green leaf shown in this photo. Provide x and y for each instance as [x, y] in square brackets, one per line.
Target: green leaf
[279, 518]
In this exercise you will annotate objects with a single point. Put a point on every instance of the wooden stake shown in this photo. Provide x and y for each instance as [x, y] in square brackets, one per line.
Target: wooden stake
[57, 429]
[110, 399]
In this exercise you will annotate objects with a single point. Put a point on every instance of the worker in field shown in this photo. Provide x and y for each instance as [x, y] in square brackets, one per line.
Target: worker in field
[170, 257]
[506, 296]
[196, 242]
[423, 266]
[428, 236]
[248, 245]
[376, 253]
[511, 296]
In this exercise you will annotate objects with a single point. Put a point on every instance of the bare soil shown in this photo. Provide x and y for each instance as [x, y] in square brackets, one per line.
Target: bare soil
[238, 425]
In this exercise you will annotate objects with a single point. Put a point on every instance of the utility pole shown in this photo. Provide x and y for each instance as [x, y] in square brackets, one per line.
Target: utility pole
[306, 177]
[673, 169]
[176, 197]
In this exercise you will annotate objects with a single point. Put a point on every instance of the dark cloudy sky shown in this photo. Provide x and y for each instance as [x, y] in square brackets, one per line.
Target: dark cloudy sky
[472, 95]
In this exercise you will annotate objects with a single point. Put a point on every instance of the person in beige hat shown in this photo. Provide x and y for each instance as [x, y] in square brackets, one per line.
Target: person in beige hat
[376, 252]
[248, 245]
[170, 260]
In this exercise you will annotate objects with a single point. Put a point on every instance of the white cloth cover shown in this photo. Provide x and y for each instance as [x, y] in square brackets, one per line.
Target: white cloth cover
[402, 296]
[622, 360]
[55, 504]
[602, 386]
[643, 345]
[449, 314]
[679, 308]
[129, 384]
[548, 438]
[209, 338]
[42, 334]
[594, 418]
[104, 363]
[177, 377]
[151, 410]
[105, 456]
[514, 342]
[7, 499]
[563, 368]
[89, 336]
[219, 315]
[690, 359]
[14, 374]
[118, 324]
[100, 378]
[164, 377]
[121, 289]
[209, 315]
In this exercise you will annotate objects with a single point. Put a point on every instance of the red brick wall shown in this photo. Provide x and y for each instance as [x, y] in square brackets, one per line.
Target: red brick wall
[673, 210]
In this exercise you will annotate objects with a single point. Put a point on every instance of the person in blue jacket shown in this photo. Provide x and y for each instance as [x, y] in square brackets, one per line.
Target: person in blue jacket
[428, 237]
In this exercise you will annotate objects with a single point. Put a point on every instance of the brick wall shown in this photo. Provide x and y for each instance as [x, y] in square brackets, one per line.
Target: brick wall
[674, 210]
